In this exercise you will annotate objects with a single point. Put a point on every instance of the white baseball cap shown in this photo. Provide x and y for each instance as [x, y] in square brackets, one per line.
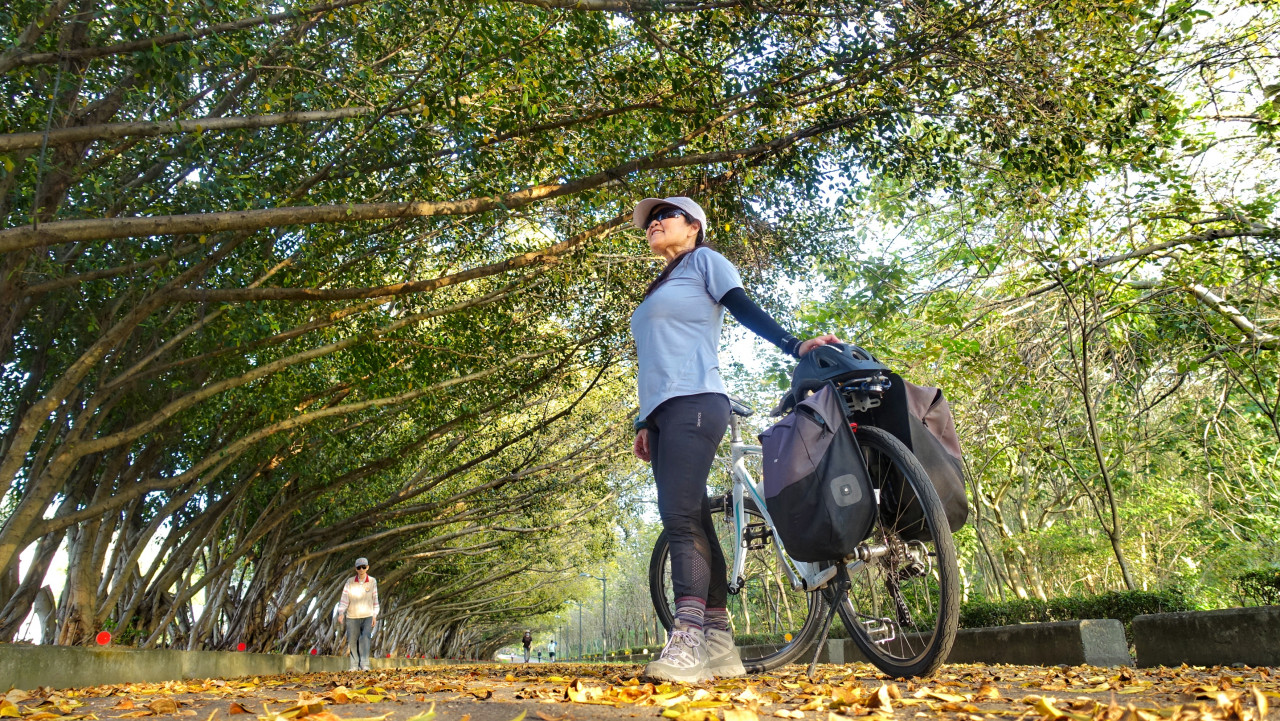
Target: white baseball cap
[362, 562]
[646, 206]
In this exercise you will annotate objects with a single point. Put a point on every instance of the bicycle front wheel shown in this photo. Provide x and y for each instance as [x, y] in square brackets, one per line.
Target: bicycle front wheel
[904, 604]
[772, 623]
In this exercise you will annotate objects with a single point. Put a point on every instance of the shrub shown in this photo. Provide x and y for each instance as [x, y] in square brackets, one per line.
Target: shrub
[1259, 588]
[1120, 605]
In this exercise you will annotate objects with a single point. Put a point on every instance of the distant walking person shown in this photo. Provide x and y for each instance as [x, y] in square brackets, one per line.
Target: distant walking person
[359, 609]
[527, 641]
[551, 649]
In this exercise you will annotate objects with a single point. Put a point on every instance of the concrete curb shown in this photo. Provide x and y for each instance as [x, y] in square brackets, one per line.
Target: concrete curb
[1096, 642]
[1250, 636]
[26, 667]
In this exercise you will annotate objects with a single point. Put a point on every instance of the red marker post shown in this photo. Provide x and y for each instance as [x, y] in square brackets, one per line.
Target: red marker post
[104, 638]
[240, 646]
[313, 652]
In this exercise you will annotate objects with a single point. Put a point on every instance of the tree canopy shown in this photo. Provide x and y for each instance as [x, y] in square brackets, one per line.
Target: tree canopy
[282, 287]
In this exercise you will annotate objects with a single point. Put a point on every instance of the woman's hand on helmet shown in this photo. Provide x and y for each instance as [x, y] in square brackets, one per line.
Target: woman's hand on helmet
[812, 343]
[641, 445]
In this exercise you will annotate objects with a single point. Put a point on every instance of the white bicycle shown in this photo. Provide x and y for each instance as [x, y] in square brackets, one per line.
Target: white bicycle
[897, 595]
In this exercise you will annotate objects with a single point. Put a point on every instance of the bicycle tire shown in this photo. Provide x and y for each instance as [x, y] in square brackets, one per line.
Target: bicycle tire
[922, 620]
[755, 658]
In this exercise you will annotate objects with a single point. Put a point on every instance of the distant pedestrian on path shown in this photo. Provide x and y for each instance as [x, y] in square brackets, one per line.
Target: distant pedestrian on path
[527, 641]
[359, 610]
[551, 649]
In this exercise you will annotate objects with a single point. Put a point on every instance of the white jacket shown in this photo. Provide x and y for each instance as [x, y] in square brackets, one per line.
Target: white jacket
[359, 600]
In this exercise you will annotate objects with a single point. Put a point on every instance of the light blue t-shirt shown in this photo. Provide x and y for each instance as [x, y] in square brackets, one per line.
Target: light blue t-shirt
[677, 330]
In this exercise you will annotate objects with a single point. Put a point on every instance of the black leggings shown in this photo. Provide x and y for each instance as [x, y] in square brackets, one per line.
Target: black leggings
[684, 433]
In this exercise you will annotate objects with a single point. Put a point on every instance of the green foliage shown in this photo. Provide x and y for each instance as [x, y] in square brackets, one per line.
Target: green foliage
[1120, 605]
[1260, 587]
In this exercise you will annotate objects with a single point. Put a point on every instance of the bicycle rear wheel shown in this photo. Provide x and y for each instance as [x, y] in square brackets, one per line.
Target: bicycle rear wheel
[772, 623]
[904, 605]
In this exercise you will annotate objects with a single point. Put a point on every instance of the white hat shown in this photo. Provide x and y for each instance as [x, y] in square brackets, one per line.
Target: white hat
[362, 562]
[646, 206]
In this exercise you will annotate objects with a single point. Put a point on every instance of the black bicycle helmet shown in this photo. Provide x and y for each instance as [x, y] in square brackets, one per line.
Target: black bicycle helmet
[838, 362]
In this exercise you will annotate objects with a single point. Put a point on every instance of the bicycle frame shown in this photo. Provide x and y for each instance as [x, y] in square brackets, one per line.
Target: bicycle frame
[802, 575]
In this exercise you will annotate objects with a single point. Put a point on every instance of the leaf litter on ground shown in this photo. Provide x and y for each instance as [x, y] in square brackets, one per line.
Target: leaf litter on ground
[969, 692]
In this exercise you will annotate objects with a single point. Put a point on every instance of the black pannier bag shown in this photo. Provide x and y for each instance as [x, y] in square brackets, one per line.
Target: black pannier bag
[920, 417]
[816, 487]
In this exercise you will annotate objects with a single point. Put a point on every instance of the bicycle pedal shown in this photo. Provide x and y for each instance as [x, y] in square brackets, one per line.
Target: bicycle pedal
[880, 630]
[756, 536]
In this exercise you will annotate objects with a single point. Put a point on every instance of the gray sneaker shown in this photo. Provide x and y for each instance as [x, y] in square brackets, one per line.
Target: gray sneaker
[723, 660]
[683, 659]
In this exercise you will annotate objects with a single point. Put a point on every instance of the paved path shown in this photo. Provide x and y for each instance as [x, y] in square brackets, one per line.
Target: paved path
[570, 692]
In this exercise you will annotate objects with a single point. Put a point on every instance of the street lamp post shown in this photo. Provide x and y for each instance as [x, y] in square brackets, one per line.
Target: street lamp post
[579, 629]
[604, 609]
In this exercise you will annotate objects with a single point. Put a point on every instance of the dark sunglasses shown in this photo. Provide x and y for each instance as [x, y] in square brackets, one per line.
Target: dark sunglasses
[664, 213]
[361, 568]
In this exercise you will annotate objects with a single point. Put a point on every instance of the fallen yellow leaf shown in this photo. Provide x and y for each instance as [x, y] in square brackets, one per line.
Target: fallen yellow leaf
[163, 706]
[989, 692]
[880, 700]
[748, 694]
[670, 700]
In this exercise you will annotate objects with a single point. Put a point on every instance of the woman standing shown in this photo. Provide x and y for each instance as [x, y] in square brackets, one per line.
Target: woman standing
[684, 411]
[359, 607]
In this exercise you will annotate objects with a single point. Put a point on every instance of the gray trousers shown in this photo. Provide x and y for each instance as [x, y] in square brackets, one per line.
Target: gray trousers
[358, 632]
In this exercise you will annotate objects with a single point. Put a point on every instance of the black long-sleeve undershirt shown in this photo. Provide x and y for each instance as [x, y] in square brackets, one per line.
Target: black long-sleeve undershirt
[758, 321]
